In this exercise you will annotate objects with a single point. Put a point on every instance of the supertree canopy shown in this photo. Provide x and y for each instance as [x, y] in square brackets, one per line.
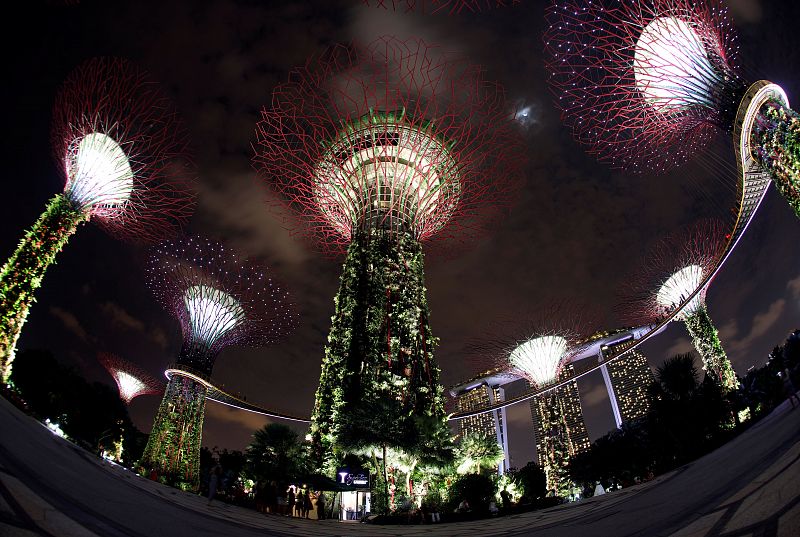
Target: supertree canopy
[132, 381]
[644, 84]
[669, 275]
[123, 154]
[219, 300]
[540, 346]
[381, 149]
[440, 6]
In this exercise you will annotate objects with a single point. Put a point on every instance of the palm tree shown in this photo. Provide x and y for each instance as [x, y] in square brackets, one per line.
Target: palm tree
[478, 450]
[276, 453]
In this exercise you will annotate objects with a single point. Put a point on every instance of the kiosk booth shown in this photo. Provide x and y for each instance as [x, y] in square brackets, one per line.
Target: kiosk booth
[354, 495]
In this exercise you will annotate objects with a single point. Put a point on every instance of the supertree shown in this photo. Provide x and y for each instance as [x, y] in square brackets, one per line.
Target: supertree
[644, 84]
[123, 153]
[132, 381]
[540, 346]
[219, 300]
[380, 149]
[671, 272]
[440, 6]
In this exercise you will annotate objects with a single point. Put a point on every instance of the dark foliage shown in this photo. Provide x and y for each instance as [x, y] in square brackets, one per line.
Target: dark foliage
[477, 489]
[91, 413]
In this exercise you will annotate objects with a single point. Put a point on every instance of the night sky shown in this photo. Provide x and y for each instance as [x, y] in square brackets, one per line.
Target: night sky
[575, 234]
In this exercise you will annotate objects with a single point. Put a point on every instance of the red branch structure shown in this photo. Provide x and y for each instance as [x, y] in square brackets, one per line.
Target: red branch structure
[451, 7]
[393, 135]
[132, 381]
[674, 269]
[699, 245]
[643, 84]
[219, 298]
[497, 348]
[116, 99]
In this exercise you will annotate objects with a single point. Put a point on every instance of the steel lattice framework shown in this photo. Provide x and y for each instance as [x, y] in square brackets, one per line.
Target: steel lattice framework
[380, 149]
[123, 153]
[132, 381]
[393, 135]
[645, 84]
[450, 7]
[672, 283]
[219, 299]
[539, 346]
[536, 344]
[673, 269]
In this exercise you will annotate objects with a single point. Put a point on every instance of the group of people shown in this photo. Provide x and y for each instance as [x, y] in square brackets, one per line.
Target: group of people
[294, 502]
[300, 502]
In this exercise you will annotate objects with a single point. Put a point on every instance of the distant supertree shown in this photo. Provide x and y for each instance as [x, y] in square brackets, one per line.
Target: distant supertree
[123, 153]
[540, 346]
[644, 84]
[220, 300]
[132, 381]
[380, 149]
[440, 6]
[675, 268]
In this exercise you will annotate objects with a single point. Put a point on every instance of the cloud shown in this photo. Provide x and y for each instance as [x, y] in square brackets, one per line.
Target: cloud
[70, 322]
[748, 11]
[762, 323]
[230, 415]
[794, 287]
[595, 396]
[680, 346]
[121, 318]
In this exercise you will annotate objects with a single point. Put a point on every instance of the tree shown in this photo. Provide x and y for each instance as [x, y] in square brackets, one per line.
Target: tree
[276, 454]
[477, 489]
[532, 480]
[478, 450]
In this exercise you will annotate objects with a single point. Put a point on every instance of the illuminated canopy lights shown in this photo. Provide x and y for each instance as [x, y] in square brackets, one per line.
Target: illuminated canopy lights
[395, 135]
[212, 313]
[671, 66]
[129, 386]
[539, 359]
[385, 173]
[98, 173]
[131, 380]
[679, 286]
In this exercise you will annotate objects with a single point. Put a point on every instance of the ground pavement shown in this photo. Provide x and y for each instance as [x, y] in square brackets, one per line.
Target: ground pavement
[749, 487]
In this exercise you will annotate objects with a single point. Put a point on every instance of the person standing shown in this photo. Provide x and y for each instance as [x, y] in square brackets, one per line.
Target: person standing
[290, 501]
[213, 482]
[306, 503]
[506, 497]
[321, 505]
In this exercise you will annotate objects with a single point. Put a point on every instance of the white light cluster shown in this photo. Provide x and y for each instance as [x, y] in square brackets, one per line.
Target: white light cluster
[539, 358]
[129, 386]
[99, 173]
[212, 313]
[671, 66]
[387, 168]
[678, 287]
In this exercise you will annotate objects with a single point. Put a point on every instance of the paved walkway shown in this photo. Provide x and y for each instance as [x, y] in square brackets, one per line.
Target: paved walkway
[749, 487]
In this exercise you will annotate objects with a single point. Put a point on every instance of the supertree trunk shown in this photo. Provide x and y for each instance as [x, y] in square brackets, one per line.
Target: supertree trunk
[776, 138]
[173, 449]
[556, 442]
[23, 272]
[708, 345]
[379, 384]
